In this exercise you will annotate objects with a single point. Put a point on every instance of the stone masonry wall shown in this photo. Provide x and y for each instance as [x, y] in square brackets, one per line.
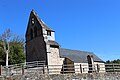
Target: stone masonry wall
[37, 76]
[54, 59]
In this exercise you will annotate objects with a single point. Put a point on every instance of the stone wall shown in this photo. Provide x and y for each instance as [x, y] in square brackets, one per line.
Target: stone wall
[36, 50]
[93, 76]
[54, 59]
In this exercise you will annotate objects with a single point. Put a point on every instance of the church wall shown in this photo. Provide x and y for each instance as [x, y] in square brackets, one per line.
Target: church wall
[47, 37]
[100, 65]
[82, 69]
[54, 59]
[85, 68]
[52, 37]
[36, 50]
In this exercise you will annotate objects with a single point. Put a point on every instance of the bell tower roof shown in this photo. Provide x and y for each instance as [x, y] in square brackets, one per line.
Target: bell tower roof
[41, 22]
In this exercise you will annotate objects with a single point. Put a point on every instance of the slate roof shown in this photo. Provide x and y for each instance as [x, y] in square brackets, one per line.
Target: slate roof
[52, 43]
[78, 56]
[41, 22]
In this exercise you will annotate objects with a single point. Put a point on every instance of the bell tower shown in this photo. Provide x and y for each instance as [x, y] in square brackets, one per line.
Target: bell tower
[35, 44]
[40, 42]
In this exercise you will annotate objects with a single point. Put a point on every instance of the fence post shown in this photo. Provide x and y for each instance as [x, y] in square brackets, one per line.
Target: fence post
[47, 69]
[43, 69]
[80, 68]
[113, 68]
[98, 68]
[63, 68]
[0, 69]
[37, 63]
[22, 70]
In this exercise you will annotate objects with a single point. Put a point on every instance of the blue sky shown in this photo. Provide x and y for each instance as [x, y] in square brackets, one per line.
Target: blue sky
[87, 25]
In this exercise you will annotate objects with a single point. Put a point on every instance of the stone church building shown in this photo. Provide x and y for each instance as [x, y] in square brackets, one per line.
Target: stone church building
[42, 46]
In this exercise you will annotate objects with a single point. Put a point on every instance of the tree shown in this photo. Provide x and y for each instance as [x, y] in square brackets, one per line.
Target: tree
[107, 61]
[2, 56]
[16, 53]
[5, 38]
[113, 61]
[11, 47]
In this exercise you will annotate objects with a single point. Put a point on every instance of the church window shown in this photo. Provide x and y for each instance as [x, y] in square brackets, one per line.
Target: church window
[35, 31]
[49, 33]
[32, 20]
[31, 34]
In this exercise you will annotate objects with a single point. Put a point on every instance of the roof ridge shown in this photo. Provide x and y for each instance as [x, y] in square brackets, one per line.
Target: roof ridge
[76, 50]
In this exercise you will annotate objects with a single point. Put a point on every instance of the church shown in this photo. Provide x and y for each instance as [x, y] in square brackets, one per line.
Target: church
[42, 46]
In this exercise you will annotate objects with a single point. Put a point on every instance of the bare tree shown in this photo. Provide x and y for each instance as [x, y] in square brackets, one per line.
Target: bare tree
[18, 39]
[5, 37]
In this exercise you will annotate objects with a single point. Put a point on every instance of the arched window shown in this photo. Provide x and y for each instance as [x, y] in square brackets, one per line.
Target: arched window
[35, 31]
[31, 34]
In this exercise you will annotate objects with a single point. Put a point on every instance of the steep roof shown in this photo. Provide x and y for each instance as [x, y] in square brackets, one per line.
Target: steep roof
[52, 43]
[41, 22]
[78, 56]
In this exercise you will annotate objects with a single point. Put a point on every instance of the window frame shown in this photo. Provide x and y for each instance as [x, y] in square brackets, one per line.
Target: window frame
[49, 33]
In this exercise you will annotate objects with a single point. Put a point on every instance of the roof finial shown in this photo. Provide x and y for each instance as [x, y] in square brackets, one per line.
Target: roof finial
[32, 10]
